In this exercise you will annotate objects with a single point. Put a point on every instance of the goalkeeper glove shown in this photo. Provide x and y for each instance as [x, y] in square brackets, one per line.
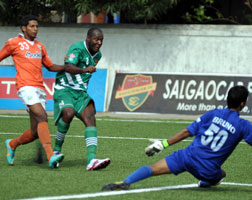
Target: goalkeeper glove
[156, 147]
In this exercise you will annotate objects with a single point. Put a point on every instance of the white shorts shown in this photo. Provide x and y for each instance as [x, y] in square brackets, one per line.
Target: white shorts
[30, 95]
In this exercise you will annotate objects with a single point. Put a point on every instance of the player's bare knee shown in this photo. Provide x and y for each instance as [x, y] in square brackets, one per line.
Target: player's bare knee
[89, 121]
[88, 117]
[160, 167]
[68, 115]
[156, 170]
[41, 117]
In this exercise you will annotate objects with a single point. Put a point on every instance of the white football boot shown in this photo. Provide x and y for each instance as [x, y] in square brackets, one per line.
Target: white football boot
[96, 164]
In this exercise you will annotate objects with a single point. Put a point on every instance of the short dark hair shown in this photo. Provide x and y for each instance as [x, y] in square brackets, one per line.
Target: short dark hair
[25, 20]
[92, 30]
[237, 95]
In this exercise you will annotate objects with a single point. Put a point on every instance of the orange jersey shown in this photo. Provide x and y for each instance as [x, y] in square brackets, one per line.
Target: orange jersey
[28, 58]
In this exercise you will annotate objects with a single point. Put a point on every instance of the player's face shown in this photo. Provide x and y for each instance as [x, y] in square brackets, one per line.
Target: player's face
[94, 42]
[31, 30]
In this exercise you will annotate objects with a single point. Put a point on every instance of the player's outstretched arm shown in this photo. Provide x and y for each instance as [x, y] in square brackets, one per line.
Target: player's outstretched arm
[158, 146]
[56, 68]
[178, 137]
[70, 68]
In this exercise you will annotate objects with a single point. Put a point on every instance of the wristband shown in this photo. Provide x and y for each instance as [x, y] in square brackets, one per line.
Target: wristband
[165, 143]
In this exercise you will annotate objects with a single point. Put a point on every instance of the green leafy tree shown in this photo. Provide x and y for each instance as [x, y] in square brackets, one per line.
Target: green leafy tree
[206, 12]
[2, 5]
[132, 10]
[64, 7]
[13, 10]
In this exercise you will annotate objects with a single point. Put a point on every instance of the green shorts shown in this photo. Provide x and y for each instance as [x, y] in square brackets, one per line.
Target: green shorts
[67, 97]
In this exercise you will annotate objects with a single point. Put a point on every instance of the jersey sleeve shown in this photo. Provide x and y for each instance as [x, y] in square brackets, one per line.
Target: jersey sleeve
[45, 58]
[247, 126]
[5, 51]
[195, 126]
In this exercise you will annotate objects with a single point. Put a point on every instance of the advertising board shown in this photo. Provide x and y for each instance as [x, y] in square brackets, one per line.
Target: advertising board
[10, 100]
[174, 93]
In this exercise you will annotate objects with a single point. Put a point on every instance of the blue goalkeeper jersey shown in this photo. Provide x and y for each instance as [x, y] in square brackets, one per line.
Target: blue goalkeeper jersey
[217, 133]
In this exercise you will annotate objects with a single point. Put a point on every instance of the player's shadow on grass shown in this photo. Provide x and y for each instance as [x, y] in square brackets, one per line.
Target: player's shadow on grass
[33, 162]
[43, 163]
[222, 189]
[73, 163]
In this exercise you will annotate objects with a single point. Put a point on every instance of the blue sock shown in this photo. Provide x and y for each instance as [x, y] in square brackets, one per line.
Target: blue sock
[139, 174]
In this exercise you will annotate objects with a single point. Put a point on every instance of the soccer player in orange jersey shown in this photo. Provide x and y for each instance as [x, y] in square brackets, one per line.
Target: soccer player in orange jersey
[29, 55]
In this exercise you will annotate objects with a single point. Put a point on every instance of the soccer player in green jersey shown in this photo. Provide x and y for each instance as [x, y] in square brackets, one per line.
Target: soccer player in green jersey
[71, 98]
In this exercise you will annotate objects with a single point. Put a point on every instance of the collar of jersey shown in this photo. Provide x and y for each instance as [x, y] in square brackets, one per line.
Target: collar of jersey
[22, 35]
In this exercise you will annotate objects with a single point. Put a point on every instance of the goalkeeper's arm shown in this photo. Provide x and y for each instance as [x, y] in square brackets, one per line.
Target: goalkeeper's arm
[158, 146]
[178, 137]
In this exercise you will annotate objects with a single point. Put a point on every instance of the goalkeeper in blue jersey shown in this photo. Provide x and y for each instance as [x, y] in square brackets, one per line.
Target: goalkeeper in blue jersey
[217, 133]
[71, 98]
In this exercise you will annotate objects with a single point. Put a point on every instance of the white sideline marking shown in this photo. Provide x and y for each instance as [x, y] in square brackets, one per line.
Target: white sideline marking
[112, 193]
[238, 184]
[134, 191]
[108, 137]
[114, 120]
[102, 137]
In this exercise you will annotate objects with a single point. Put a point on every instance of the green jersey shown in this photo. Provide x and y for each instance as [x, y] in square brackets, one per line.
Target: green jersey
[78, 55]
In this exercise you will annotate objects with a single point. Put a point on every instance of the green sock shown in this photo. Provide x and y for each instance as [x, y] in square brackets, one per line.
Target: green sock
[91, 142]
[61, 133]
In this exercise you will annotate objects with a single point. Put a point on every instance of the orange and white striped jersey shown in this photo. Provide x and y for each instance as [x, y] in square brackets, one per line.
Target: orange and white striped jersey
[28, 57]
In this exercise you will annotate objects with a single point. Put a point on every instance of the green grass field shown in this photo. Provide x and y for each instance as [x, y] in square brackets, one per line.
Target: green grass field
[122, 140]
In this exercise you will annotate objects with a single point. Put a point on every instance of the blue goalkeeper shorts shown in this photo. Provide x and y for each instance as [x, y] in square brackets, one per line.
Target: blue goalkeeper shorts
[181, 161]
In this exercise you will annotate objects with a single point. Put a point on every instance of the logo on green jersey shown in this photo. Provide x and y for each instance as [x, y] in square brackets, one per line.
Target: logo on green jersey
[135, 90]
